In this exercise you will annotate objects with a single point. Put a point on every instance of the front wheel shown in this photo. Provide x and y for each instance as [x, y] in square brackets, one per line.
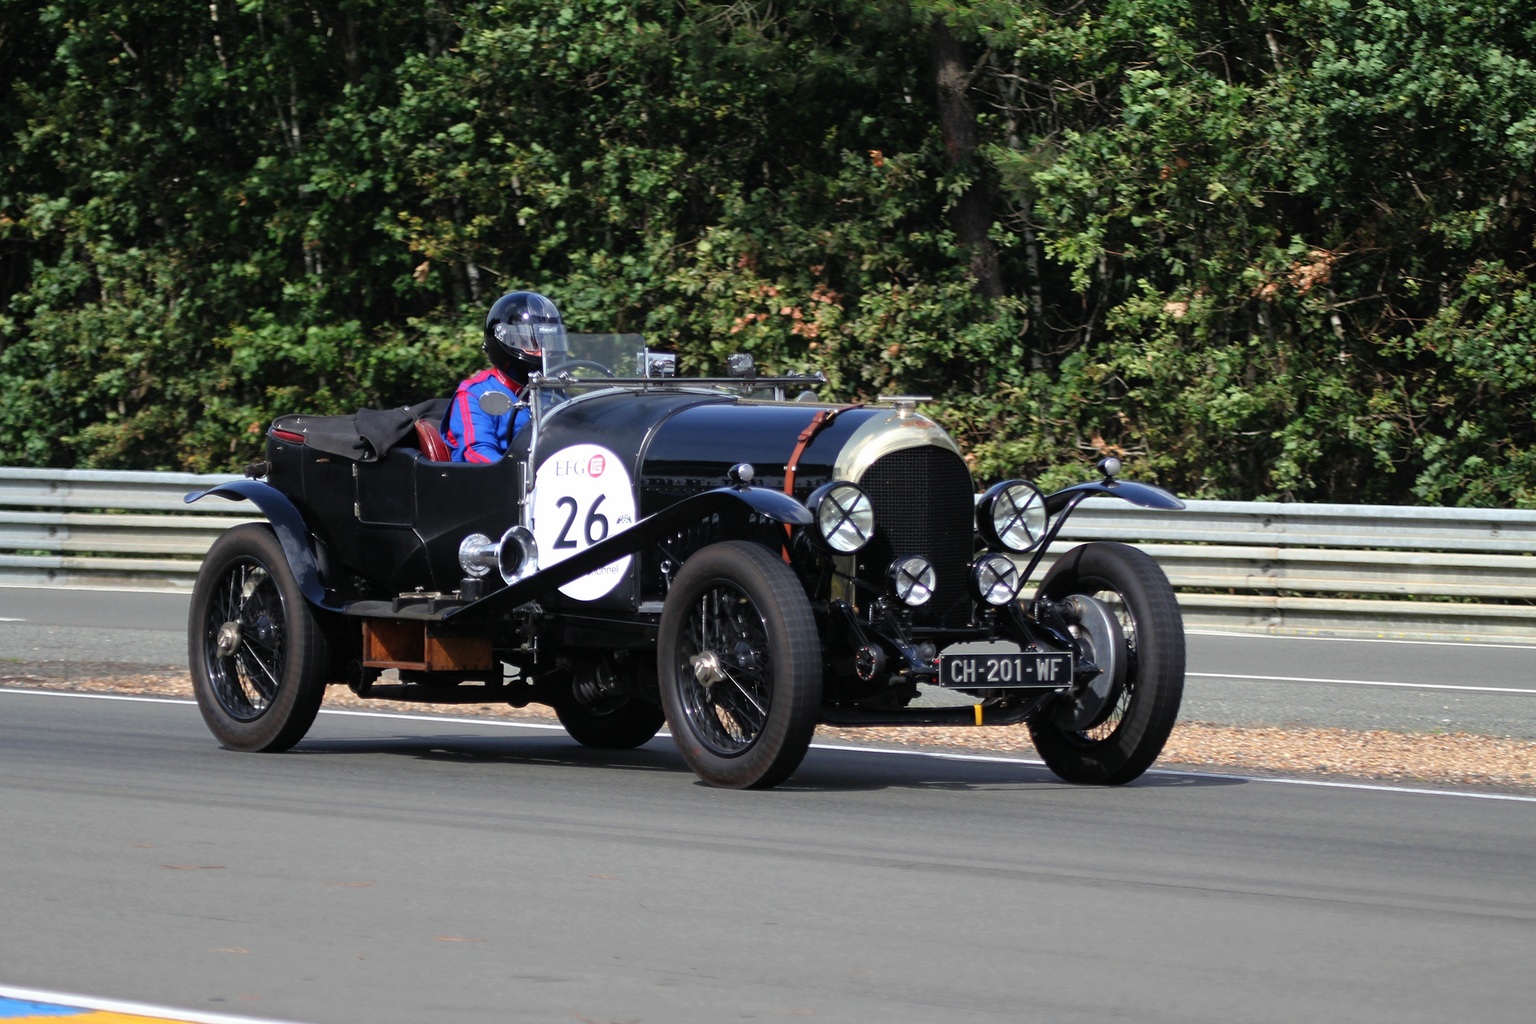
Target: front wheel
[1114, 744]
[258, 653]
[739, 666]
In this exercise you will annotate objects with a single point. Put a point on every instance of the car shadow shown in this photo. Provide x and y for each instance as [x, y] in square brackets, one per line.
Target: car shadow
[825, 768]
[553, 750]
[844, 768]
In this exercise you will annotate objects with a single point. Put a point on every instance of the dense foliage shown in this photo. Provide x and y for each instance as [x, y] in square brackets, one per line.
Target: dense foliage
[1269, 249]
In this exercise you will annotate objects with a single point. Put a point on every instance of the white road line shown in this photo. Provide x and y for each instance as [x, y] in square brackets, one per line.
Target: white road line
[1374, 787]
[126, 588]
[1481, 645]
[166, 1013]
[17, 692]
[845, 748]
[1362, 682]
[407, 716]
[1365, 786]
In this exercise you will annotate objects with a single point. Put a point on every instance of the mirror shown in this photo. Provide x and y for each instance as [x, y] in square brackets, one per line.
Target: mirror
[495, 403]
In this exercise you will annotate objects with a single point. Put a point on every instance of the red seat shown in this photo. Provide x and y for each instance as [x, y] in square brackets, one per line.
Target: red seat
[433, 447]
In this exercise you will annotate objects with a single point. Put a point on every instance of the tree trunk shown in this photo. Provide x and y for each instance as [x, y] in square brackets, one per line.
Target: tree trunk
[971, 217]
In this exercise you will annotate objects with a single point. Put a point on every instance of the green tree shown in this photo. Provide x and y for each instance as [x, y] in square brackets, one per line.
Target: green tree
[1271, 214]
[1270, 249]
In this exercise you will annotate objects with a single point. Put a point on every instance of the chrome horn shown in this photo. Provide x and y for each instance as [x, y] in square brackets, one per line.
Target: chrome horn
[515, 556]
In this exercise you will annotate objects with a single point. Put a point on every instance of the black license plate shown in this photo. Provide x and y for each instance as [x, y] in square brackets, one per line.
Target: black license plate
[993, 671]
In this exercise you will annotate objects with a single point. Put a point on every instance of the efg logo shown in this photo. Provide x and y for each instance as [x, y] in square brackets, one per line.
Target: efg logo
[593, 468]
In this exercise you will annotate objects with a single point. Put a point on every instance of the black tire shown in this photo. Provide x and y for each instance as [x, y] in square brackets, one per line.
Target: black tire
[1126, 738]
[622, 727]
[259, 655]
[739, 660]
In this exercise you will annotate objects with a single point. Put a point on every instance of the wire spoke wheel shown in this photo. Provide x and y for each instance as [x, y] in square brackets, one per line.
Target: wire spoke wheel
[258, 655]
[729, 691]
[244, 641]
[1121, 739]
[739, 666]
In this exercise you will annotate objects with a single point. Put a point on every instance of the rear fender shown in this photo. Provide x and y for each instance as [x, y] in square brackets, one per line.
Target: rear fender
[292, 532]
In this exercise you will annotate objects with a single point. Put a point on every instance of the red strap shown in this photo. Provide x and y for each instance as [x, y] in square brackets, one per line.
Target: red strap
[811, 430]
[819, 422]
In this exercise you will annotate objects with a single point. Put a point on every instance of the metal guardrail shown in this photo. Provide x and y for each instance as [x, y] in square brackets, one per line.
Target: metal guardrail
[96, 528]
[1264, 566]
[1361, 570]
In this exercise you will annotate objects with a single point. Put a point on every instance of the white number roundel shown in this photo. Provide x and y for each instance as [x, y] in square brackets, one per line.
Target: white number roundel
[582, 495]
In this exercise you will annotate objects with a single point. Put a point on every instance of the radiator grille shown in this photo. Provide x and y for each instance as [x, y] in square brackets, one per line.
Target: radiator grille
[923, 506]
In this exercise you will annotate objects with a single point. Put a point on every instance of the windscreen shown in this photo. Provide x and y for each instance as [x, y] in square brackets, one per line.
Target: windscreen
[591, 356]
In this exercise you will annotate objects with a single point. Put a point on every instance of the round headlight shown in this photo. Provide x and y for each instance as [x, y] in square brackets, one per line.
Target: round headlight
[995, 579]
[1012, 515]
[913, 580]
[844, 516]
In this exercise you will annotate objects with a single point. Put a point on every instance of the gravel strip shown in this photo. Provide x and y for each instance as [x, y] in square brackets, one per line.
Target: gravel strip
[1435, 759]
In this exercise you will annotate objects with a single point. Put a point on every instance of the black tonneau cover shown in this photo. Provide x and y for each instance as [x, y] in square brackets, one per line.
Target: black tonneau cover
[366, 434]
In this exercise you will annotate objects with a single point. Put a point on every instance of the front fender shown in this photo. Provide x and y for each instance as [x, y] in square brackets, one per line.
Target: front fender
[292, 532]
[770, 504]
[773, 505]
[1145, 495]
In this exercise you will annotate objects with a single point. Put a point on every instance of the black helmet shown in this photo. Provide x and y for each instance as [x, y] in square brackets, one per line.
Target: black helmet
[518, 329]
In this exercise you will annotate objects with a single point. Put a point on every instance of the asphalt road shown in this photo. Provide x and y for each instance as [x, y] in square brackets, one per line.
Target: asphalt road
[1488, 689]
[394, 871]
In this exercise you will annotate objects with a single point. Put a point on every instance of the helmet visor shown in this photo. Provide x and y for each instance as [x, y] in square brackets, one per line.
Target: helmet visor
[531, 339]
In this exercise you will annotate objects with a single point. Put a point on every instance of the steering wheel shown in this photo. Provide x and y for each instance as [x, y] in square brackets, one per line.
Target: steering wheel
[588, 364]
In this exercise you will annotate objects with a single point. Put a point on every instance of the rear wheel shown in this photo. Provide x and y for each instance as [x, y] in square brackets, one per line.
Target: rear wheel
[1114, 742]
[740, 666]
[617, 728]
[601, 709]
[258, 654]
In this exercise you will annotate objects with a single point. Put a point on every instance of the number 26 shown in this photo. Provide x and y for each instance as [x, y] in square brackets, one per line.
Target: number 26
[595, 527]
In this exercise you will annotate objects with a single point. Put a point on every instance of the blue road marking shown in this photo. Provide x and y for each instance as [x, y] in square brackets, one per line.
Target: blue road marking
[10, 1009]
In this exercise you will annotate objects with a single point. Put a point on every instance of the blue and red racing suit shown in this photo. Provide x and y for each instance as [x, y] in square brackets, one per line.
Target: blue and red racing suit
[473, 434]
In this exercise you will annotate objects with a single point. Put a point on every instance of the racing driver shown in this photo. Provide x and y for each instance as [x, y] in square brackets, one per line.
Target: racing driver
[518, 328]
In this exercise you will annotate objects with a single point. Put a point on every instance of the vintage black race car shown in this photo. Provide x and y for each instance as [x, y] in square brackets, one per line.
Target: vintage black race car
[730, 556]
